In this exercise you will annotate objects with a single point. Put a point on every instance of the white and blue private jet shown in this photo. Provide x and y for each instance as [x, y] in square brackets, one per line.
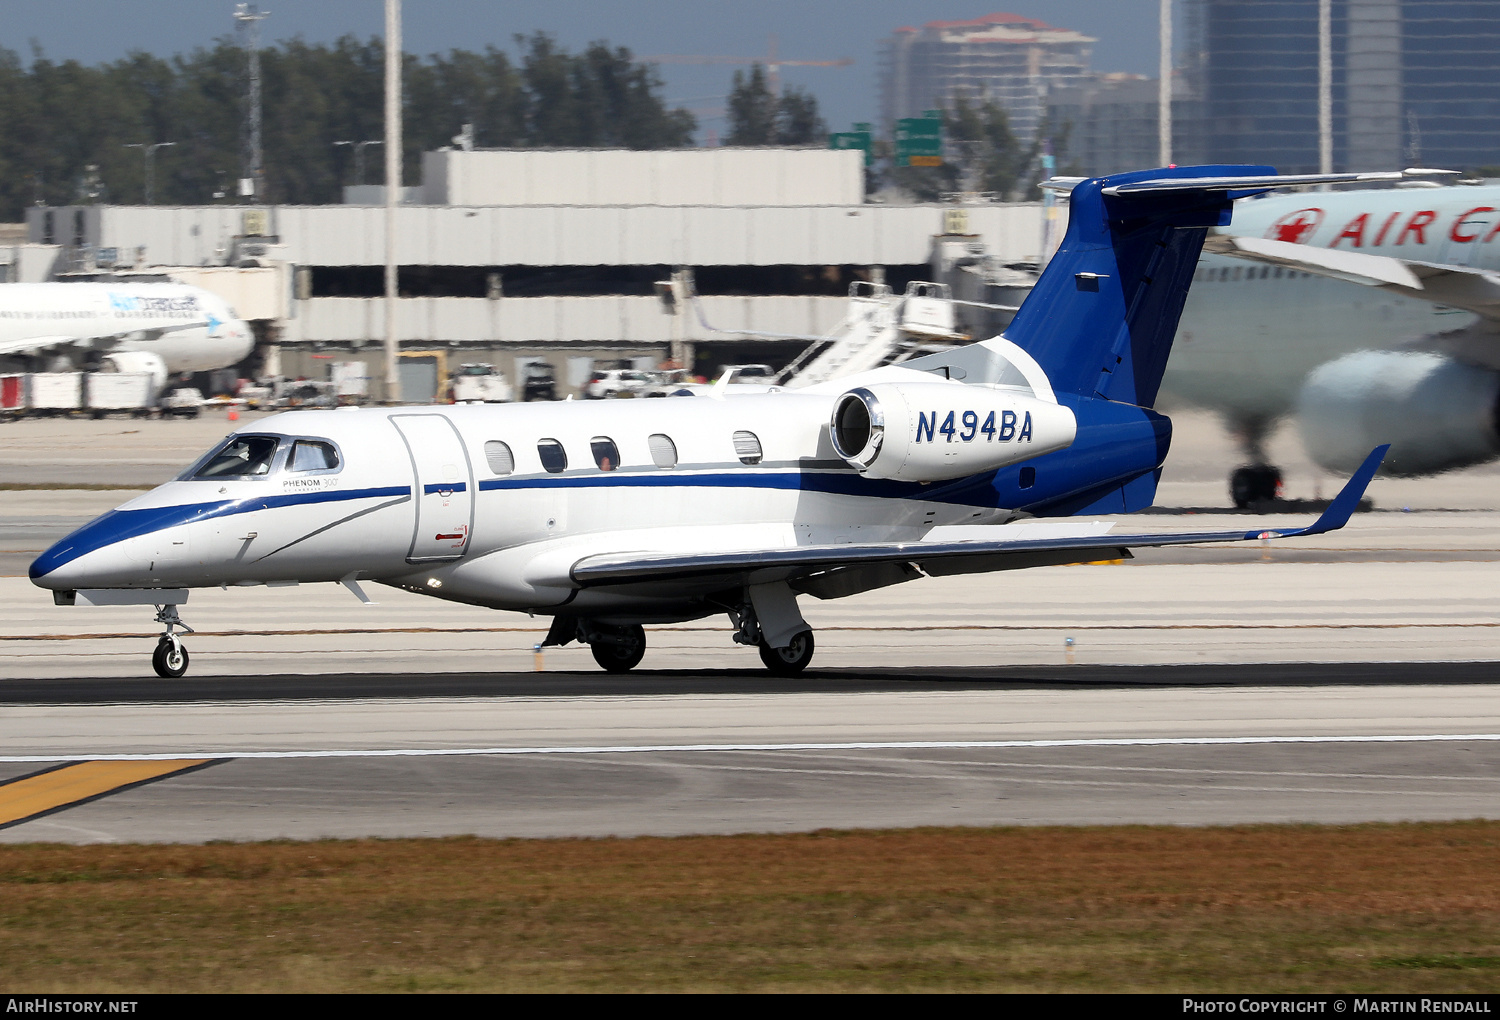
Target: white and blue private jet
[607, 516]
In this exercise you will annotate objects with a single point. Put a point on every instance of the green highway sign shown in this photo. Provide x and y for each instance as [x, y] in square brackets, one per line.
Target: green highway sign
[919, 141]
[854, 140]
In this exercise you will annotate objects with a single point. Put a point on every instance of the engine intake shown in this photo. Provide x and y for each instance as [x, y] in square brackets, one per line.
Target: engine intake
[929, 432]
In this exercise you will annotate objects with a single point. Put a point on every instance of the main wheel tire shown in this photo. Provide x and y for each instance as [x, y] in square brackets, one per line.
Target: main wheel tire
[1255, 484]
[170, 659]
[621, 658]
[792, 659]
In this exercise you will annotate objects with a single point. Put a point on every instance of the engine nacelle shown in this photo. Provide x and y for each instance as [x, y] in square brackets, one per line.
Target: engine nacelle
[929, 432]
[1437, 413]
[137, 361]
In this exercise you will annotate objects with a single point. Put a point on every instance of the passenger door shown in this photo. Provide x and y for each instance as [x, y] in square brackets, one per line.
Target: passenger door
[444, 487]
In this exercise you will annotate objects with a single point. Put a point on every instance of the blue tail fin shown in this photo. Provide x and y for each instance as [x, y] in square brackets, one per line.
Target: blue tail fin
[1100, 321]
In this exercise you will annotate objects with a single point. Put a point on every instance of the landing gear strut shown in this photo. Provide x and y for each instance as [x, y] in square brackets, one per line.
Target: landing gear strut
[170, 659]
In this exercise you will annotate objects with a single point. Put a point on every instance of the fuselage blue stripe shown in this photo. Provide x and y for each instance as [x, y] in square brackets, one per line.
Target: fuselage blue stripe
[839, 483]
[428, 490]
[119, 525]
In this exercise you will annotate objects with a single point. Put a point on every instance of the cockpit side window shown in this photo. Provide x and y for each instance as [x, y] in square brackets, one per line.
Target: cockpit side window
[313, 455]
[240, 457]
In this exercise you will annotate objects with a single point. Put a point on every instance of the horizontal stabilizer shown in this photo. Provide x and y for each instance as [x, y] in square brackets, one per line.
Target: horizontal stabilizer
[1232, 183]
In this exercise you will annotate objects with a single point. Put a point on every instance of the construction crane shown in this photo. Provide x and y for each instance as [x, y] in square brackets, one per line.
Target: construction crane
[770, 61]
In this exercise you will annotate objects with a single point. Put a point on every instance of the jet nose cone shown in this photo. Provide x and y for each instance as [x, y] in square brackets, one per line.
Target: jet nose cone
[93, 556]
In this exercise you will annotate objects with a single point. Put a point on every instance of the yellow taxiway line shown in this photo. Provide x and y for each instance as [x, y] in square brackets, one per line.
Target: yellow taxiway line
[43, 793]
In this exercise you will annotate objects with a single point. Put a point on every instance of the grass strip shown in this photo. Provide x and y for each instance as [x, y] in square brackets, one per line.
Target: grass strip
[1398, 908]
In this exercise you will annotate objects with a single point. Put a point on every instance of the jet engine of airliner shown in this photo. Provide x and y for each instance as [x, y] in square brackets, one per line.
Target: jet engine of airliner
[1436, 412]
[930, 432]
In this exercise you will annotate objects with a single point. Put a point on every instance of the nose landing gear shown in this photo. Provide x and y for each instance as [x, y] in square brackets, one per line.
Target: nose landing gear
[170, 660]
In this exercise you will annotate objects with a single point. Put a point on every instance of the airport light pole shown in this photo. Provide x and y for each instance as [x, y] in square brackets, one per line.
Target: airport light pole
[148, 153]
[392, 189]
[1325, 88]
[359, 156]
[1164, 87]
[254, 171]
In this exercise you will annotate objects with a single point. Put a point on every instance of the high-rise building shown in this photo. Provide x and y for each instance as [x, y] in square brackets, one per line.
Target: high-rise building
[1414, 82]
[1010, 59]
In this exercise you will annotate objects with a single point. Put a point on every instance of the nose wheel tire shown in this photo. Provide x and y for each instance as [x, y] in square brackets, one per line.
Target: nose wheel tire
[170, 659]
[792, 659]
[622, 650]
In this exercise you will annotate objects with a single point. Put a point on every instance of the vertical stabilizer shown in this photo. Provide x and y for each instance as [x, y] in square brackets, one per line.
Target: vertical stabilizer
[1101, 319]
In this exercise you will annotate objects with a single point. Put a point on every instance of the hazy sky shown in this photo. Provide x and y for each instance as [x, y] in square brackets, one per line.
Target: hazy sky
[98, 30]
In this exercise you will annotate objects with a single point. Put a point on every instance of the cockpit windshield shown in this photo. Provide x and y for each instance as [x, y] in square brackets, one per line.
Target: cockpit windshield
[240, 457]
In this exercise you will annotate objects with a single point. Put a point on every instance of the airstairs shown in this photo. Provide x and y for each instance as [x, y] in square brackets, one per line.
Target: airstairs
[879, 329]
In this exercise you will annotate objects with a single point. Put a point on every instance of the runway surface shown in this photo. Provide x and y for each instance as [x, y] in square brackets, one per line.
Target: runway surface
[1350, 677]
[568, 755]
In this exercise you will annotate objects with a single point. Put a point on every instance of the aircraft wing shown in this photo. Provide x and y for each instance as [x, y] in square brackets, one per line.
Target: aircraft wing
[1473, 290]
[31, 344]
[832, 571]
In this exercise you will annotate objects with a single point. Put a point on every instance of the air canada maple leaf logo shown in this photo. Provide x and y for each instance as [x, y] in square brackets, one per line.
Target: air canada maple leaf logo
[1296, 227]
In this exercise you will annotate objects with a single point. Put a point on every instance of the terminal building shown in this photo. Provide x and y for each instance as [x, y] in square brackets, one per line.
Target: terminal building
[511, 256]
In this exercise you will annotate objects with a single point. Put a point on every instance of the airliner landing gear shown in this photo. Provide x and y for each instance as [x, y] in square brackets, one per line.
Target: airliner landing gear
[618, 649]
[792, 659]
[1259, 481]
[170, 659]
[1256, 483]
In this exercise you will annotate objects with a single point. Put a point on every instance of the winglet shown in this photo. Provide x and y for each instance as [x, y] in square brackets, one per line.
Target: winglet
[1345, 503]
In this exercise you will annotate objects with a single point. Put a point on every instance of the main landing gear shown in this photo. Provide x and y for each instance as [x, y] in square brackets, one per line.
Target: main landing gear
[792, 659]
[618, 649]
[1255, 483]
[170, 659]
[787, 659]
[1259, 481]
[767, 620]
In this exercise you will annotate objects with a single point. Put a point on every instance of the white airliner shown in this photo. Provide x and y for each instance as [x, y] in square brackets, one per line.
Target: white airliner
[613, 514]
[1374, 315]
[160, 328]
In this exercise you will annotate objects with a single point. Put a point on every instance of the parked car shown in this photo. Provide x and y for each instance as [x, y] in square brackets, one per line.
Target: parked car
[616, 382]
[480, 382]
[742, 379]
[540, 382]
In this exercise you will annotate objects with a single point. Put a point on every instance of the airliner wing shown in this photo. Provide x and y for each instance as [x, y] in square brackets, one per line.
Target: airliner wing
[832, 571]
[1473, 290]
[31, 344]
[27, 345]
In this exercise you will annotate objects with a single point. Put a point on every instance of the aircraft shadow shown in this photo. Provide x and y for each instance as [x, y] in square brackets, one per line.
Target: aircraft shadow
[349, 686]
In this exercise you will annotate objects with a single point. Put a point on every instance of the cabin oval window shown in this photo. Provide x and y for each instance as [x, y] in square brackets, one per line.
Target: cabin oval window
[747, 447]
[502, 461]
[240, 457]
[313, 455]
[606, 453]
[554, 457]
[663, 451]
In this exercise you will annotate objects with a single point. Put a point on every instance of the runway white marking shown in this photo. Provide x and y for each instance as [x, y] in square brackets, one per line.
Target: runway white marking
[881, 745]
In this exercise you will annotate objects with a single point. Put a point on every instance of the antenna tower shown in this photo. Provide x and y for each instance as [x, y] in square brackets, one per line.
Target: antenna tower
[249, 18]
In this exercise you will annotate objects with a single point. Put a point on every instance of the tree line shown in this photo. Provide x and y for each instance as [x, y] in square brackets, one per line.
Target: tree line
[65, 127]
